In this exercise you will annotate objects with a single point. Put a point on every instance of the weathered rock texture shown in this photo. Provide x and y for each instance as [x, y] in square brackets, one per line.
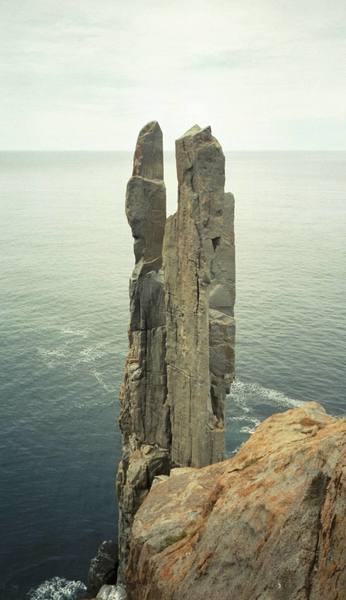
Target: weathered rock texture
[144, 417]
[103, 567]
[199, 286]
[181, 336]
[268, 524]
[111, 592]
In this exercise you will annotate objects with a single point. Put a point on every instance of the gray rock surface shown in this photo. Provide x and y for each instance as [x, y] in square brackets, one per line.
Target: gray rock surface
[144, 416]
[199, 286]
[103, 568]
[181, 336]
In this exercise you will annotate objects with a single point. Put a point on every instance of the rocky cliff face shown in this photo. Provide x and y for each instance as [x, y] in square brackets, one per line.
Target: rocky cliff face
[144, 416]
[181, 335]
[199, 287]
[268, 524]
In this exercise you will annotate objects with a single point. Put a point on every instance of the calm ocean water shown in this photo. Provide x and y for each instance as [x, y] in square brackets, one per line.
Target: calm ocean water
[66, 256]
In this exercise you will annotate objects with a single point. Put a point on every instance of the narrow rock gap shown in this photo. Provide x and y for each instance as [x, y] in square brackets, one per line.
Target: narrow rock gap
[170, 181]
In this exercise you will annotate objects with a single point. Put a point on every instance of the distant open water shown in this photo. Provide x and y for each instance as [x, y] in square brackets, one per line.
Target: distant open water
[66, 255]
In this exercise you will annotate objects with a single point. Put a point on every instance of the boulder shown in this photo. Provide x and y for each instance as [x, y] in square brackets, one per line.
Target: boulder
[111, 592]
[267, 524]
[103, 568]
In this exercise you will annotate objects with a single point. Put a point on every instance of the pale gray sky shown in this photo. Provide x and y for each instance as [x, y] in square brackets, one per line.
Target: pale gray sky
[87, 74]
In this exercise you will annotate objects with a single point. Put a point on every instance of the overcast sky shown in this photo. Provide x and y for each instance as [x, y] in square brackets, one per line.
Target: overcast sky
[87, 74]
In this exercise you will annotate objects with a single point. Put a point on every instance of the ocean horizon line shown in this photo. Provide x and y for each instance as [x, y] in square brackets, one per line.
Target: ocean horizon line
[169, 151]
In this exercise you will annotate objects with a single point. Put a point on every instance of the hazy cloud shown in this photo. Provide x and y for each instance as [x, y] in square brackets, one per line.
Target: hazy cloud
[89, 73]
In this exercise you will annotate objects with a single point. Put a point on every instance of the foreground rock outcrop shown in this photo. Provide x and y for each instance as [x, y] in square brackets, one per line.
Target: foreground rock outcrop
[267, 524]
[180, 362]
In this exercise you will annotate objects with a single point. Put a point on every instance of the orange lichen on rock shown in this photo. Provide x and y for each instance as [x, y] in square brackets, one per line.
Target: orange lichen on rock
[267, 524]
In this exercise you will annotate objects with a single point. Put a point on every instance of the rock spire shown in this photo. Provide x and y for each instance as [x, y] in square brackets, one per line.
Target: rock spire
[199, 288]
[144, 413]
[180, 361]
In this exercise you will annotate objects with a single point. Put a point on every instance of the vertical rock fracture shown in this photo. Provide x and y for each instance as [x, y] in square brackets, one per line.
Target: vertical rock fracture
[144, 413]
[180, 362]
[199, 287]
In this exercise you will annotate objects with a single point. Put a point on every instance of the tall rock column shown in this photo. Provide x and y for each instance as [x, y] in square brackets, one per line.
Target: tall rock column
[199, 286]
[181, 336]
[145, 415]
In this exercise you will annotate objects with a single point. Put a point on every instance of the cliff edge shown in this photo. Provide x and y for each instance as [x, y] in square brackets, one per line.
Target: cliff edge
[267, 524]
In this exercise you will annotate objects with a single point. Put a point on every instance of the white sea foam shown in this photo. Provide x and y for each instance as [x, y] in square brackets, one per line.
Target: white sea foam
[248, 428]
[250, 422]
[242, 393]
[75, 332]
[58, 589]
[72, 354]
[91, 353]
[99, 377]
[51, 357]
[245, 401]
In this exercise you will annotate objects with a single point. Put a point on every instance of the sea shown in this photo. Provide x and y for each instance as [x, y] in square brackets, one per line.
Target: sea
[65, 260]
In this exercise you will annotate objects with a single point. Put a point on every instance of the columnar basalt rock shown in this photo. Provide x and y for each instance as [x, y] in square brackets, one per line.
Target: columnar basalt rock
[144, 416]
[181, 336]
[199, 286]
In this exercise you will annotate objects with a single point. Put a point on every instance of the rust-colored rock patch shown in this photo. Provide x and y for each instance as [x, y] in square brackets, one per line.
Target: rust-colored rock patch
[267, 524]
